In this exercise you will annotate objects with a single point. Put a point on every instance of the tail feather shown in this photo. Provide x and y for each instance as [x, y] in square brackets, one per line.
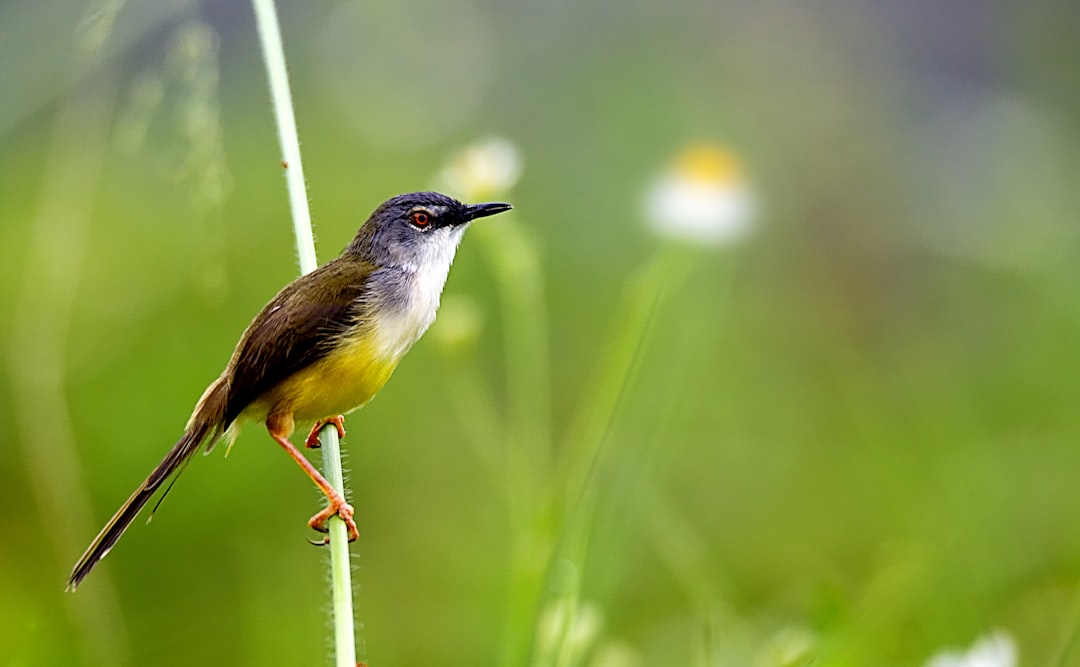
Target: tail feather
[205, 425]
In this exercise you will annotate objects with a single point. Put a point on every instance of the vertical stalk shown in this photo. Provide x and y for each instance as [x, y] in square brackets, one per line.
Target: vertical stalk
[274, 57]
[341, 572]
[590, 432]
[44, 305]
[515, 263]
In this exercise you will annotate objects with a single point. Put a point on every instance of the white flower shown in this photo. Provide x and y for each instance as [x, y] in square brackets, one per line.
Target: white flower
[996, 649]
[702, 198]
[482, 170]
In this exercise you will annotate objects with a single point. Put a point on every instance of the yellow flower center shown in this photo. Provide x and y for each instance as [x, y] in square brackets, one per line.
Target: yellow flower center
[708, 164]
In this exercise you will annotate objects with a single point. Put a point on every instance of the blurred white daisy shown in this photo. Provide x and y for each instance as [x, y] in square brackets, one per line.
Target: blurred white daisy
[702, 198]
[997, 649]
[483, 170]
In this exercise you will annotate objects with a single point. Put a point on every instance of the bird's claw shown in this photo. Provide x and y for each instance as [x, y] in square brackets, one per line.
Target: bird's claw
[312, 441]
[343, 510]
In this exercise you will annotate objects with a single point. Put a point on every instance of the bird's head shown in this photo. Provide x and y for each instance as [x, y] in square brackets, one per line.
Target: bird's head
[416, 228]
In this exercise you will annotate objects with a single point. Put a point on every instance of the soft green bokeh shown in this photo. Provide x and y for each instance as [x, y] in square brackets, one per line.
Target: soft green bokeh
[851, 438]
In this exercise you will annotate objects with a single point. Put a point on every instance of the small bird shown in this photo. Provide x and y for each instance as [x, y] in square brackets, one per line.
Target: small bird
[321, 348]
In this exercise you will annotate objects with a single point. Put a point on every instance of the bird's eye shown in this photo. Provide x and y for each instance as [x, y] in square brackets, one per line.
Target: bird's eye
[421, 218]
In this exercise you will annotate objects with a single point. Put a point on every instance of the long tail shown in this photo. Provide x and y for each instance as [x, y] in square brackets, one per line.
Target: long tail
[205, 425]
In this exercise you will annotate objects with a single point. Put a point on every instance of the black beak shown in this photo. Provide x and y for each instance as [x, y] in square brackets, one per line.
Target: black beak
[484, 210]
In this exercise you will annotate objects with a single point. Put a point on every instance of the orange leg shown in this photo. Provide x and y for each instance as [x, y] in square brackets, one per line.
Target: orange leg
[312, 441]
[280, 428]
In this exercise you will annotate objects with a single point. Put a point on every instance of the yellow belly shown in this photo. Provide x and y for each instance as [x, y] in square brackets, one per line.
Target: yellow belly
[339, 383]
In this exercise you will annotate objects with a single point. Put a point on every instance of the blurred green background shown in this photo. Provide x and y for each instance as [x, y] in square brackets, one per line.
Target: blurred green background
[850, 439]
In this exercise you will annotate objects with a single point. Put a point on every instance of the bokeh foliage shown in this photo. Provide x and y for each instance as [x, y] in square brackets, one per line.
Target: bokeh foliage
[854, 434]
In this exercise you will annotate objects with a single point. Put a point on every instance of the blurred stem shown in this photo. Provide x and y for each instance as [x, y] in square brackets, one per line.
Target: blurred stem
[44, 305]
[533, 548]
[706, 652]
[43, 309]
[682, 550]
[590, 431]
[274, 57]
[532, 539]
[1069, 641]
[676, 540]
[515, 263]
[483, 426]
[629, 334]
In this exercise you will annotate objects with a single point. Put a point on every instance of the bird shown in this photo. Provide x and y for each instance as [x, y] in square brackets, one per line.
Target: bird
[321, 348]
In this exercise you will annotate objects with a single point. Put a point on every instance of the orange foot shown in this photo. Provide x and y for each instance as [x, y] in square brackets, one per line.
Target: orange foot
[312, 441]
[341, 508]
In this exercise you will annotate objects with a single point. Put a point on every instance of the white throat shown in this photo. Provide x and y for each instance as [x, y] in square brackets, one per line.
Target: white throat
[408, 307]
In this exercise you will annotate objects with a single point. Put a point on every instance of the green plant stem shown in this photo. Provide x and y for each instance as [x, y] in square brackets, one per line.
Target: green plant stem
[483, 426]
[628, 336]
[274, 57]
[590, 432]
[53, 254]
[341, 571]
[515, 263]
